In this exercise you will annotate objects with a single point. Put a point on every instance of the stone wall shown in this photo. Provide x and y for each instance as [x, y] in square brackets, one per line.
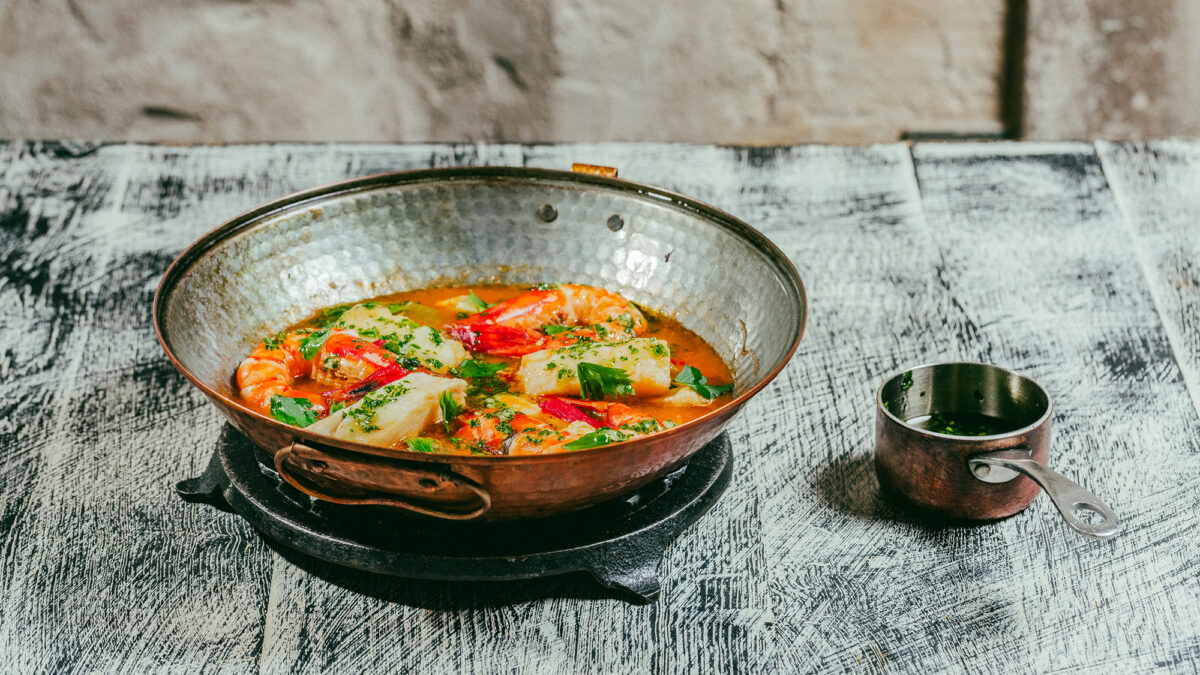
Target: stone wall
[732, 71]
[728, 71]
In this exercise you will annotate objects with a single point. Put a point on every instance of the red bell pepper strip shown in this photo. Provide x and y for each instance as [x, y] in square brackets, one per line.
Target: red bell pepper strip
[368, 384]
[563, 409]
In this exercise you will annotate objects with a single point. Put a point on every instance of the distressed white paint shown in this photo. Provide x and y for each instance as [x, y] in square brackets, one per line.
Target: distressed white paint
[1017, 255]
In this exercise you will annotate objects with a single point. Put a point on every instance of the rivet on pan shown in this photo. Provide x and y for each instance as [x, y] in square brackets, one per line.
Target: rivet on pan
[547, 212]
[427, 483]
[615, 222]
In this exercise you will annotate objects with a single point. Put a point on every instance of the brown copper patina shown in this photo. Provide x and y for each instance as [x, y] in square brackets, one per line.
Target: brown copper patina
[974, 477]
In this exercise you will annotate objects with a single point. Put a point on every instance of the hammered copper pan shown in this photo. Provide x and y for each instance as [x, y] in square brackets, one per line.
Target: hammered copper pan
[277, 264]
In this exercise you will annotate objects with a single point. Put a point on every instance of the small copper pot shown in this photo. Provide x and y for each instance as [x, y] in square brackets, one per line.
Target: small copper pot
[975, 477]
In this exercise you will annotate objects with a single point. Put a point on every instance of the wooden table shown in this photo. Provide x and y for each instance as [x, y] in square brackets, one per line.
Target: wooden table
[1077, 264]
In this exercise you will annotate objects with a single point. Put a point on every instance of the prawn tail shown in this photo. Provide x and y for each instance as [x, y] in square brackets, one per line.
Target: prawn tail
[498, 339]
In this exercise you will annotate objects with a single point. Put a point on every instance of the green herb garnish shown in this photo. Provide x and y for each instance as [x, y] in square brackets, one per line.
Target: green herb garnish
[690, 376]
[597, 381]
[311, 344]
[906, 381]
[646, 426]
[422, 444]
[332, 315]
[545, 287]
[275, 341]
[294, 411]
[473, 368]
[600, 437]
[450, 409]
[555, 330]
[476, 302]
[337, 405]
[397, 307]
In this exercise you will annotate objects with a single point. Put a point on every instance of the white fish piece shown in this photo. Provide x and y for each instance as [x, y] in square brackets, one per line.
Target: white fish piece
[463, 304]
[429, 346]
[647, 361]
[683, 397]
[397, 410]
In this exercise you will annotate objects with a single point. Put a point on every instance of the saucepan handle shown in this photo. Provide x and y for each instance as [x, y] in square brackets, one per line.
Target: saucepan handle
[343, 479]
[1067, 495]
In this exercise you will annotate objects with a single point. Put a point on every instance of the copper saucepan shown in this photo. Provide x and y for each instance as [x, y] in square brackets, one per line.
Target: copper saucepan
[987, 455]
[277, 264]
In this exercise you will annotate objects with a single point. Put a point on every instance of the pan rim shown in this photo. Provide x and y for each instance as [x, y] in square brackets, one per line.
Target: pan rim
[248, 219]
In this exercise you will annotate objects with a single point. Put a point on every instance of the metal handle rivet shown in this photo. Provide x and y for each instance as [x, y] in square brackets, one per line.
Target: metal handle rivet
[615, 222]
[547, 212]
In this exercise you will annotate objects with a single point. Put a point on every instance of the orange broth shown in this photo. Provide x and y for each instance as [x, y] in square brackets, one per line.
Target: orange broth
[685, 346]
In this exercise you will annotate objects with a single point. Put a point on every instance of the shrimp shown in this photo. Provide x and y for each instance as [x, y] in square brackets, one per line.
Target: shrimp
[506, 432]
[601, 414]
[271, 370]
[499, 431]
[518, 326]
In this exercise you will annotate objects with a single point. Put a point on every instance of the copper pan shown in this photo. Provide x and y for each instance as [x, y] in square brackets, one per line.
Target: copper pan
[277, 264]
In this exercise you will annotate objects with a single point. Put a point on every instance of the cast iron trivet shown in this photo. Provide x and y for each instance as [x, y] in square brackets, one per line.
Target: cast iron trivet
[620, 542]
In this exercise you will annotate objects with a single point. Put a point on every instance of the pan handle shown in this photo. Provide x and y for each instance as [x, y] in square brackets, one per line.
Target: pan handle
[1068, 496]
[314, 471]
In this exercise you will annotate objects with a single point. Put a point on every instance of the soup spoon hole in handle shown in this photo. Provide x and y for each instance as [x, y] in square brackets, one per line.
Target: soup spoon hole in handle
[1068, 496]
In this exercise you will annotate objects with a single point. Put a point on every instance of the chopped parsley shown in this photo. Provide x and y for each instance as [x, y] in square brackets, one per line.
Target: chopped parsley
[363, 414]
[294, 411]
[600, 437]
[435, 336]
[555, 330]
[331, 363]
[597, 381]
[272, 343]
[690, 376]
[450, 409]
[659, 349]
[422, 444]
[906, 382]
[646, 426]
[473, 368]
[311, 344]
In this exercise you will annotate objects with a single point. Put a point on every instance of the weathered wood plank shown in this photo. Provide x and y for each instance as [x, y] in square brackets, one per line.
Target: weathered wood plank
[1036, 253]
[1157, 187]
[1009, 253]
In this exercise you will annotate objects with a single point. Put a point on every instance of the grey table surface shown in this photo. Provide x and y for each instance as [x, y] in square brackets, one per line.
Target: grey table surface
[1078, 264]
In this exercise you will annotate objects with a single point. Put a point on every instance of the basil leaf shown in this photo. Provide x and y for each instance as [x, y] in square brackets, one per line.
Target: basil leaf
[597, 381]
[332, 315]
[295, 411]
[450, 409]
[555, 330]
[473, 368]
[690, 376]
[422, 445]
[311, 344]
[600, 437]
[476, 302]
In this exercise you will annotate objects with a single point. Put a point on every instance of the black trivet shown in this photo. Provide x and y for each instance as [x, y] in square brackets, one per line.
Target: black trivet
[620, 542]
